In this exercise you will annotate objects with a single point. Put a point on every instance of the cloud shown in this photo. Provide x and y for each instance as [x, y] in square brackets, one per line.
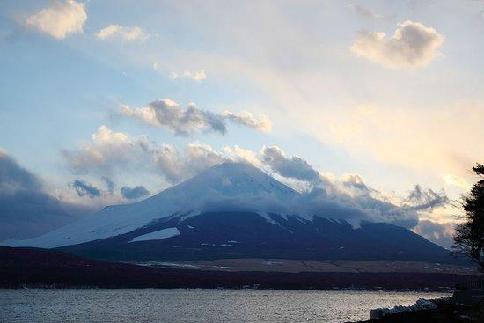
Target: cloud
[60, 19]
[441, 234]
[177, 166]
[238, 154]
[331, 201]
[355, 182]
[110, 152]
[107, 151]
[199, 75]
[412, 45]
[291, 167]
[109, 184]
[26, 209]
[247, 119]
[85, 189]
[182, 121]
[15, 178]
[420, 199]
[126, 33]
[132, 193]
[348, 197]
[364, 12]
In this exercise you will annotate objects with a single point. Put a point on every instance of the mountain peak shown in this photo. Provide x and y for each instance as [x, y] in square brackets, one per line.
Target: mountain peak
[228, 186]
[234, 180]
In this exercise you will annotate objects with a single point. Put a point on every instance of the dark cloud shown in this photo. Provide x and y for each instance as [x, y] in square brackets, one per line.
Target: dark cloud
[82, 188]
[420, 199]
[132, 193]
[26, 210]
[184, 121]
[109, 184]
[290, 167]
[14, 178]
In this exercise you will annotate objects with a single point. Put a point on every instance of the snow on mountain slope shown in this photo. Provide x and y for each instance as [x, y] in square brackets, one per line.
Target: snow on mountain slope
[158, 235]
[225, 186]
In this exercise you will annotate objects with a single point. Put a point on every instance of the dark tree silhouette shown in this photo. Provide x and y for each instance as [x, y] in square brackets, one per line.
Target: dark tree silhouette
[469, 236]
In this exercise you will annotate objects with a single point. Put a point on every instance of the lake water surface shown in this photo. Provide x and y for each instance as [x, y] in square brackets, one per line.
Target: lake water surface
[156, 305]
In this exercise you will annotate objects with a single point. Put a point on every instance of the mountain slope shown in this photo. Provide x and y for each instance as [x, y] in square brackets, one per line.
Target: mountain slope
[234, 211]
[244, 234]
[226, 186]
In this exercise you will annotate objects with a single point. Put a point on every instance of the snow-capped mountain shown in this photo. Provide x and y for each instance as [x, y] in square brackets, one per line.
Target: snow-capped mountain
[226, 186]
[234, 210]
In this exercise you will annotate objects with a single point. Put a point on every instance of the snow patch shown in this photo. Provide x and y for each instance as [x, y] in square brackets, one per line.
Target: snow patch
[267, 217]
[158, 235]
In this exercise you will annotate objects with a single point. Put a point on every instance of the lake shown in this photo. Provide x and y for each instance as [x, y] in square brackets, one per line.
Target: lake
[195, 305]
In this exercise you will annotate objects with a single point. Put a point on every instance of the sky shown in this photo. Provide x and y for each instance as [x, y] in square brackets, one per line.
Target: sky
[111, 101]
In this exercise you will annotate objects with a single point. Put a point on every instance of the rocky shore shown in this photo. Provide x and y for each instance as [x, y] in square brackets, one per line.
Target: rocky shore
[466, 305]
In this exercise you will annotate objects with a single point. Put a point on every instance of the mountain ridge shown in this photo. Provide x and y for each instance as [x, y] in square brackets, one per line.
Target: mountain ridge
[228, 185]
[235, 202]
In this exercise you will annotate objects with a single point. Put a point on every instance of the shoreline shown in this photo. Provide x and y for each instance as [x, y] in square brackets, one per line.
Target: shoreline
[50, 287]
[21, 268]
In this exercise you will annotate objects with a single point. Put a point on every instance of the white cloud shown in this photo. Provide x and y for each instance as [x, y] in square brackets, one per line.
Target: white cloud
[60, 19]
[184, 121]
[238, 154]
[126, 33]
[177, 166]
[244, 118]
[199, 75]
[290, 167]
[412, 45]
[109, 152]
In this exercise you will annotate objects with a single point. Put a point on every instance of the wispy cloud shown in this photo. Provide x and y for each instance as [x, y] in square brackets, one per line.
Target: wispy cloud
[125, 33]
[199, 75]
[412, 45]
[364, 11]
[60, 19]
[421, 199]
[247, 119]
[184, 121]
